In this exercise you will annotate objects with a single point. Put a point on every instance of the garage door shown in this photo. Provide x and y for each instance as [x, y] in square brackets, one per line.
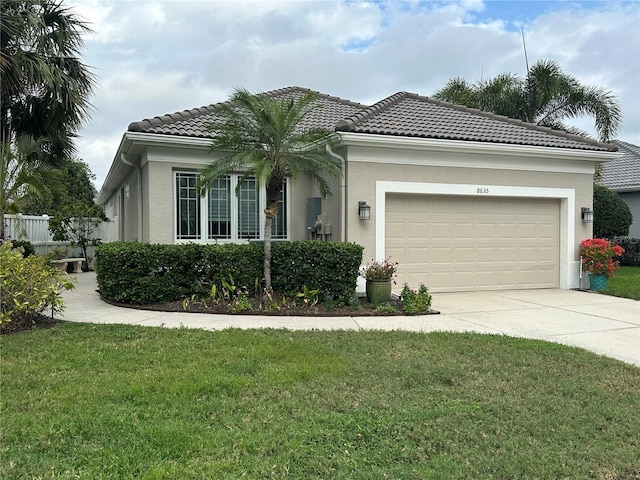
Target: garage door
[459, 243]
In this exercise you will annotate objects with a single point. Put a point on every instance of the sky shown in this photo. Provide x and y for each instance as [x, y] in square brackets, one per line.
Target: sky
[153, 57]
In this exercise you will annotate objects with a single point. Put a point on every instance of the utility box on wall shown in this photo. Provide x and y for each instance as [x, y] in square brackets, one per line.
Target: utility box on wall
[314, 206]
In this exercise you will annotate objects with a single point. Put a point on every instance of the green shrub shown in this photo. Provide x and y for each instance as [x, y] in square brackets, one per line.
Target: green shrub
[28, 286]
[631, 255]
[332, 268]
[612, 216]
[415, 302]
[27, 247]
[142, 273]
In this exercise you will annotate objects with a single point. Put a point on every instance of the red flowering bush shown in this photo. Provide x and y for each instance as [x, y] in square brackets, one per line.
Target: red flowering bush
[597, 256]
[380, 270]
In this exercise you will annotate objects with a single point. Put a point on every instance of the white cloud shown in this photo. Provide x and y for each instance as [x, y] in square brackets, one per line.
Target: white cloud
[156, 57]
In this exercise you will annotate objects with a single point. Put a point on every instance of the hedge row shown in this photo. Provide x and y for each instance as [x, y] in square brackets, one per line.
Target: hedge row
[631, 255]
[332, 267]
[142, 273]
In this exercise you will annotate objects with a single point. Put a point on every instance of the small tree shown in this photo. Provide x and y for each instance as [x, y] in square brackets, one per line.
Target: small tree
[76, 224]
[612, 216]
[266, 137]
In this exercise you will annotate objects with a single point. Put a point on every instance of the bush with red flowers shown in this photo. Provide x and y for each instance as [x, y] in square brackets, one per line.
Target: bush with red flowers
[598, 256]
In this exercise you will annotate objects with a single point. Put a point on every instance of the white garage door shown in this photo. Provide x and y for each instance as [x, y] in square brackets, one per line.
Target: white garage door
[458, 243]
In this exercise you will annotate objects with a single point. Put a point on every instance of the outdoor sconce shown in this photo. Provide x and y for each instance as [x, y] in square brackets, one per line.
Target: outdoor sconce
[587, 215]
[364, 211]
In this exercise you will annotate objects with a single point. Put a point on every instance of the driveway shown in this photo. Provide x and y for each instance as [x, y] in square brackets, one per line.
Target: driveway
[605, 325]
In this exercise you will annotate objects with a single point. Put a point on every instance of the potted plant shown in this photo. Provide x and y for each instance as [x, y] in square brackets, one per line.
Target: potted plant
[597, 256]
[379, 275]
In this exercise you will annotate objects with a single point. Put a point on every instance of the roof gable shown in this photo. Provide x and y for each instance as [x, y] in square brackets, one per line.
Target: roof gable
[401, 114]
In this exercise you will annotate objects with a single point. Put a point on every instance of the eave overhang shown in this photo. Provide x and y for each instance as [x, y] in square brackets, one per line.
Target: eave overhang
[129, 156]
[472, 147]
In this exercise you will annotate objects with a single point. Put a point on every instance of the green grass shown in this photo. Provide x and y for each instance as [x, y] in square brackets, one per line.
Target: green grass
[112, 402]
[625, 283]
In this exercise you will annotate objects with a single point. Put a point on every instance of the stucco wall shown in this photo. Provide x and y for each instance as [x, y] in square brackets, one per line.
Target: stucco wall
[479, 171]
[363, 177]
[130, 194]
[158, 205]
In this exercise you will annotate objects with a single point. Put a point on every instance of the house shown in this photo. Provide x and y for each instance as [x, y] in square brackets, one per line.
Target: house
[622, 176]
[464, 200]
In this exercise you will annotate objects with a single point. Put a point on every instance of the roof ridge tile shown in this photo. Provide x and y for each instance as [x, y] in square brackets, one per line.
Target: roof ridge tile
[350, 122]
[169, 118]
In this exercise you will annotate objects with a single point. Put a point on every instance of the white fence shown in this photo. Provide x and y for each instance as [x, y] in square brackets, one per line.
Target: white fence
[36, 230]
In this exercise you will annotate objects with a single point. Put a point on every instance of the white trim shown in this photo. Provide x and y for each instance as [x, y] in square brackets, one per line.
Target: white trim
[569, 268]
[625, 189]
[464, 146]
[155, 139]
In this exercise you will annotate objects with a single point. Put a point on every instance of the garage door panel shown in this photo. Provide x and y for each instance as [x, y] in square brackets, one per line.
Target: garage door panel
[463, 231]
[461, 243]
[464, 255]
[485, 230]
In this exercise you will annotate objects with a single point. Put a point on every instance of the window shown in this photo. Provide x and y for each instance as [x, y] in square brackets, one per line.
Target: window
[220, 209]
[224, 214]
[248, 210]
[279, 224]
[188, 214]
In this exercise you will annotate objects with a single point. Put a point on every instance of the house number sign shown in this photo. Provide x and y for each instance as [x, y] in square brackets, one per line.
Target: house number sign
[482, 190]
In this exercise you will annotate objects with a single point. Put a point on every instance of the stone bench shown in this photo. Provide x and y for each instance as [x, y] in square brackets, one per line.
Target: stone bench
[63, 262]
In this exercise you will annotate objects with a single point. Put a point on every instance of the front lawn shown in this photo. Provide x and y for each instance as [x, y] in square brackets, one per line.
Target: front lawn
[625, 283]
[111, 401]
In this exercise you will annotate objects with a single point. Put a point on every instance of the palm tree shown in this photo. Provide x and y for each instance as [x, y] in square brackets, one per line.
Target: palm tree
[262, 137]
[547, 97]
[45, 87]
[23, 176]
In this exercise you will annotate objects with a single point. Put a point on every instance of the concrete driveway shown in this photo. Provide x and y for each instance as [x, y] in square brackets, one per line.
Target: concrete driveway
[605, 325]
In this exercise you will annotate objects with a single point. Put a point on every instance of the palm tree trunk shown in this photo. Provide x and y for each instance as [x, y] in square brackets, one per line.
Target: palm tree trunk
[267, 253]
[270, 212]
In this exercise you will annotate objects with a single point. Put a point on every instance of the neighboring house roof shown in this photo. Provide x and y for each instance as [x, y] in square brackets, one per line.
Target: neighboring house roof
[623, 173]
[402, 114]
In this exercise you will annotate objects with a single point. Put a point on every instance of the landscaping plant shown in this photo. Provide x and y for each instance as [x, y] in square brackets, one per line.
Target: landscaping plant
[415, 302]
[380, 269]
[77, 224]
[28, 286]
[598, 256]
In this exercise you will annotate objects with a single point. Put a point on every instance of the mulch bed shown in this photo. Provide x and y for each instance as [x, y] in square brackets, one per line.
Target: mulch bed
[361, 309]
[299, 309]
[37, 323]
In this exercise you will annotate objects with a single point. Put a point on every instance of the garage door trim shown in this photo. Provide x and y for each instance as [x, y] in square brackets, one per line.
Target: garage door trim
[569, 268]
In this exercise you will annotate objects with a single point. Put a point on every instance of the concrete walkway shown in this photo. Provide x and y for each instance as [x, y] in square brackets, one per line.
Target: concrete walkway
[605, 325]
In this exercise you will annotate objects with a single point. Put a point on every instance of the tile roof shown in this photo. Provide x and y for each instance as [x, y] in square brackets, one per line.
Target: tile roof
[195, 122]
[412, 115]
[402, 114]
[624, 172]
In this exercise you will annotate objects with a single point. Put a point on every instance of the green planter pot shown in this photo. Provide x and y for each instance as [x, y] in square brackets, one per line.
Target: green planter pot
[597, 282]
[378, 291]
